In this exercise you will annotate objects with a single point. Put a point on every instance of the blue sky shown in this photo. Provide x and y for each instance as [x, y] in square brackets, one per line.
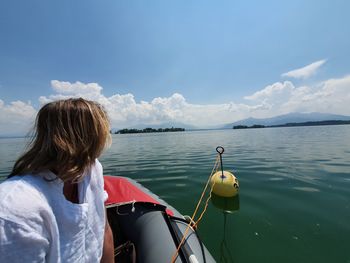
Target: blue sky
[207, 52]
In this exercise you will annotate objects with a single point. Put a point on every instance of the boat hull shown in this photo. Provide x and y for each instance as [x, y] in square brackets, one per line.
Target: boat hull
[153, 226]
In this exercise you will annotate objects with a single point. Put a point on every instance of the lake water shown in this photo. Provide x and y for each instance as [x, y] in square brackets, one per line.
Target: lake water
[294, 201]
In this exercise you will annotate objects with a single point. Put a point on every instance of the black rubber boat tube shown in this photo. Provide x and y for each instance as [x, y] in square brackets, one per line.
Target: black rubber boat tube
[182, 220]
[183, 251]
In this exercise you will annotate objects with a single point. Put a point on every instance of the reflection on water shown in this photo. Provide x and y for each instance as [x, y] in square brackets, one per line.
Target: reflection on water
[306, 189]
[228, 205]
[225, 250]
[294, 203]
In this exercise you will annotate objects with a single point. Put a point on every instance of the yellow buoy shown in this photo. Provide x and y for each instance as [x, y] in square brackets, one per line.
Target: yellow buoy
[225, 184]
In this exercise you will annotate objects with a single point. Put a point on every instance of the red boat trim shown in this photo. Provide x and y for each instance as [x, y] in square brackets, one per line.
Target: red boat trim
[121, 191]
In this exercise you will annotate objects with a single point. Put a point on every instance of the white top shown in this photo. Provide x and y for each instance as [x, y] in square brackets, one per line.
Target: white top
[38, 224]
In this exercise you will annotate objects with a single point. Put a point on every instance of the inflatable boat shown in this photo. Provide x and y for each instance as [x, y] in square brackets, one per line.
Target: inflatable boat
[146, 229]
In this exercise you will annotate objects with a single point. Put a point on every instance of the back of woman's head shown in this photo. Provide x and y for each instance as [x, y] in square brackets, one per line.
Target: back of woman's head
[70, 134]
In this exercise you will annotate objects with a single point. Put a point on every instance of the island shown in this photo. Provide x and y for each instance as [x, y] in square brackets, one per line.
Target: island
[149, 130]
[295, 124]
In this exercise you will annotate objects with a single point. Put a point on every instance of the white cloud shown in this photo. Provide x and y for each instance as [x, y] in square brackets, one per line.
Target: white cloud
[65, 89]
[68, 88]
[272, 92]
[305, 72]
[330, 96]
[125, 111]
[16, 118]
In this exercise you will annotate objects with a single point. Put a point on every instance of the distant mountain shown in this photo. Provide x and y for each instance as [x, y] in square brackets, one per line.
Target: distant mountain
[288, 118]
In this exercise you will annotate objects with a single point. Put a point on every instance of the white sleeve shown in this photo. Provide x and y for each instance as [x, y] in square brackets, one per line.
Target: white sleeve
[101, 180]
[21, 244]
[105, 195]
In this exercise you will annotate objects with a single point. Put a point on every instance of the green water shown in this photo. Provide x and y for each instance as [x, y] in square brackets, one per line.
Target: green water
[294, 202]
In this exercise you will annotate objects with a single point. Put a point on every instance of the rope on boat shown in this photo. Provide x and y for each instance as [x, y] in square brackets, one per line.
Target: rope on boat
[195, 224]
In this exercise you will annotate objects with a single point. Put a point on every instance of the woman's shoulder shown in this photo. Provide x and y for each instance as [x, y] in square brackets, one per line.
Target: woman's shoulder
[21, 197]
[97, 166]
[18, 185]
[96, 172]
[23, 216]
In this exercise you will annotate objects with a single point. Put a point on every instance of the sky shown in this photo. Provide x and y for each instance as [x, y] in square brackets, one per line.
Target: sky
[202, 63]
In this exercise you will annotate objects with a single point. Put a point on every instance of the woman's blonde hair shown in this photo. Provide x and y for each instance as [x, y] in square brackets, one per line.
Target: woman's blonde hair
[70, 134]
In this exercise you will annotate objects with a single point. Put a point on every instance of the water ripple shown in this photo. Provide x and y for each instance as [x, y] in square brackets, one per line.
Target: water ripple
[294, 186]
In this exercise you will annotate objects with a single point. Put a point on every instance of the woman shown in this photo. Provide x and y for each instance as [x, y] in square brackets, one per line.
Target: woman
[52, 205]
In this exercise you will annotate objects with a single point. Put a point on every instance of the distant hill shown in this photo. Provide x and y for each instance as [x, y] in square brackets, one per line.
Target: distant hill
[288, 118]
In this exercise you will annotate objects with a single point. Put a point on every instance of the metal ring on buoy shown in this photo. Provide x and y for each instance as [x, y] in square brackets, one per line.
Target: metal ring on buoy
[220, 150]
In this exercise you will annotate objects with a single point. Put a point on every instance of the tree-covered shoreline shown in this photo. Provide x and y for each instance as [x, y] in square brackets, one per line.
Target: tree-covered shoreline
[149, 130]
[294, 124]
